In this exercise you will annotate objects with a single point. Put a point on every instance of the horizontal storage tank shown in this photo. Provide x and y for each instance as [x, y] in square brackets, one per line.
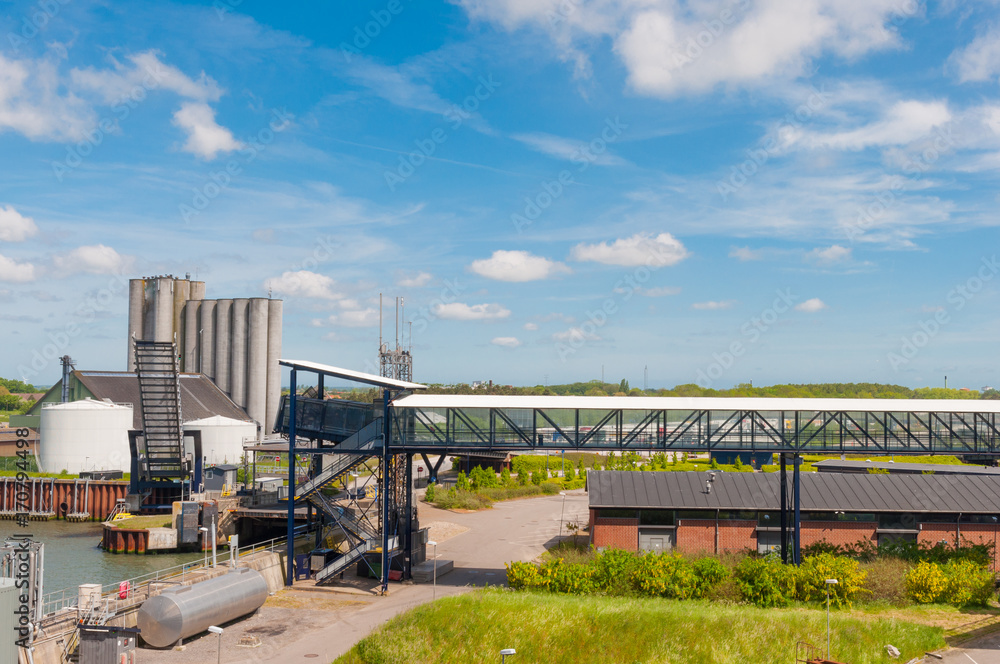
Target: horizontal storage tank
[84, 435]
[221, 438]
[184, 611]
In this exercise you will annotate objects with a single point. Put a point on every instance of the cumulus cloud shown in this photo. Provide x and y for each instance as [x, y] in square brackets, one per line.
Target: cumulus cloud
[356, 318]
[462, 311]
[517, 266]
[143, 70]
[811, 306]
[713, 305]
[303, 283]
[980, 60]
[33, 103]
[14, 227]
[415, 281]
[206, 138]
[674, 48]
[531, 327]
[92, 259]
[829, 255]
[506, 342]
[641, 249]
[13, 272]
[746, 254]
[576, 335]
[902, 123]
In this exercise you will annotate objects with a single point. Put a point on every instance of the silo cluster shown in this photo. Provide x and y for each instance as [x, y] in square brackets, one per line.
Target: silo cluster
[234, 342]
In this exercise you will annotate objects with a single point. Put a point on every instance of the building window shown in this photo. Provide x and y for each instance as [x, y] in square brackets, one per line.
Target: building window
[896, 539]
[616, 514]
[656, 517]
[897, 521]
[738, 516]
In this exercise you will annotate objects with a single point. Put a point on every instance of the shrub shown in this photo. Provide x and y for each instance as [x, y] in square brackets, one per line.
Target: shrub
[811, 576]
[462, 482]
[886, 580]
[663, 575]
[506, 479]
[483, 478]
[968, 583]
[462, 500]
[522, 479]
[550, 488]
[709, 572]
[523, 576]
[536, 478]
[926, 583]
[558, 577]
[611, 571]
[765, 582]
[429, 495]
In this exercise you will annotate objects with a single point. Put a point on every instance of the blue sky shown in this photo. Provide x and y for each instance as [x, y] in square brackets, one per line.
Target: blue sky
[721, 191]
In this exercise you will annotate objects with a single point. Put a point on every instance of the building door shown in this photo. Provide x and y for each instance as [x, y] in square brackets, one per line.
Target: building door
[657, 540]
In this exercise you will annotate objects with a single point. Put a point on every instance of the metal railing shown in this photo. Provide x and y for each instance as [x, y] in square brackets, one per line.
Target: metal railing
[137, 588]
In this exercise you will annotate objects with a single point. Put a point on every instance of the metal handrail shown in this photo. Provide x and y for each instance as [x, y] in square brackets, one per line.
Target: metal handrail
[67, 598]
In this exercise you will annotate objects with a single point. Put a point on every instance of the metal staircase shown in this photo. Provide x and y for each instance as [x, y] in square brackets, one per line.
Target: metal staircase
[160, 397]
[351, 453]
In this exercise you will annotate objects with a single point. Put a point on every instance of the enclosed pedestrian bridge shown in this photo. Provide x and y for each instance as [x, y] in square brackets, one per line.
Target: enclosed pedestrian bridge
[341, 435]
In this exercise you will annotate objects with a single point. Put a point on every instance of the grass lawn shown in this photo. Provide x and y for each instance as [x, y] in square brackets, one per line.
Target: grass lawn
[564, 629]
[154, 521]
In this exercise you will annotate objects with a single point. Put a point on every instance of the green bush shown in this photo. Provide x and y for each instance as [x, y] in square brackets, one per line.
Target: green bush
[611, 571]
[811, 576]
[462, 482]
[462, 500]
[429, 495]
[558, 577]
[550, 488]
[523, 576]
[536, 478]
[663, 575]
[765, 582]
[968, 583]
[506, 479]
[709, 572]
[483, 478]
[886, 581]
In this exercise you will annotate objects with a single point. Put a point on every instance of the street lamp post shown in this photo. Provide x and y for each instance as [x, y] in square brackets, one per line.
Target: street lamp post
[213, 543]
[505, 652]
[204, 549]
[217, 630]
[993, 563]
[829, 582]
[434, 571]
[563, 513]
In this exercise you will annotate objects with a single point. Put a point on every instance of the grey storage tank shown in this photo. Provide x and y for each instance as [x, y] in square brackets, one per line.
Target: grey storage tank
[178, 613]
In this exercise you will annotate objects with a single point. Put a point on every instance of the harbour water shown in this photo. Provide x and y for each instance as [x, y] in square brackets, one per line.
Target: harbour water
[72, 555]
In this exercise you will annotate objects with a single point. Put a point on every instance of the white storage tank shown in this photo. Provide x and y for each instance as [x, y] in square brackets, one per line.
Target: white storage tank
[84, 435]
[221, 438]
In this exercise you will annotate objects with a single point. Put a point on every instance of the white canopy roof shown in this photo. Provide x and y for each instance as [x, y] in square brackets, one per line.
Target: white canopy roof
[357, 376]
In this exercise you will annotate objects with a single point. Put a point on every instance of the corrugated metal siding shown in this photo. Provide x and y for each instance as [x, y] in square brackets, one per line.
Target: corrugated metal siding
[820, 491]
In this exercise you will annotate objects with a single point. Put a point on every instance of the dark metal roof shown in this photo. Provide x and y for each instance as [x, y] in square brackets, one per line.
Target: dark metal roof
[849, 492]
[855, 466]
[200, 397]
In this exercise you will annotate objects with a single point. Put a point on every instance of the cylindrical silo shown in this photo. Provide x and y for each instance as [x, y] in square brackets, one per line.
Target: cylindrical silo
[197, 291]
[257, 360]
[223, 347]
[163, 301]
[182, 292]
[189, 362]
[136, 294]
[84, 435]
[238, 358]
[222, 438]
[274, 313]
[206, 344]
[183, 611]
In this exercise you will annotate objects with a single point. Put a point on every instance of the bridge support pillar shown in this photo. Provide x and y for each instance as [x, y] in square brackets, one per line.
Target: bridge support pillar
[796, 547]
[784, 510]
[408, 535]
[384, 494]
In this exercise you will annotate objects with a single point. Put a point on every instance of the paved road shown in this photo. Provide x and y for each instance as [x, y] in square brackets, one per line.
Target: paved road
[329, 624]
[982, 651]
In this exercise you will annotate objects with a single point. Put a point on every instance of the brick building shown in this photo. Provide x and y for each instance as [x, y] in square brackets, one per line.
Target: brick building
[740, 511]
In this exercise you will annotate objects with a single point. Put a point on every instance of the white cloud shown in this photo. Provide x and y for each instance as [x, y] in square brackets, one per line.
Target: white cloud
[13, 272]
[506, 342]
[15, 227]
[462, 311]
[713, 305]
[568, 149]
[576, 334]
[661, 291]
[517, 266]
[660, 251]
[146, 71]
[206, 138]
[830, 255]
[303, 284]
[980, 60]
[33, 103]
[93, 259]
[358, 318]
[902, 123]
[746, 254]
[811, 306]
[672, 48]
[531, 327]
[416, 281]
